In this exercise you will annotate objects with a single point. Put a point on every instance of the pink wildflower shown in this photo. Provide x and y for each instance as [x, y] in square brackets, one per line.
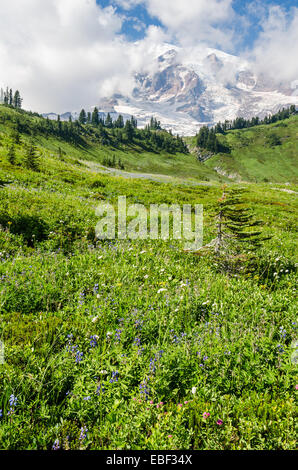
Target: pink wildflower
[219, 422]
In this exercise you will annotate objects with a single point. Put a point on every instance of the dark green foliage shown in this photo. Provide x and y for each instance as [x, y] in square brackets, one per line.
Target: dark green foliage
[31, 161]
[119, 123]
[17, 100]
[154, 125]
[109, 121]
[273, 140]
[80, 133]
[82, 117]
[113, 163]
[11, 155]
[241, 123]
[129, 131]
[208, 140]
[95, 117]
[236, 224]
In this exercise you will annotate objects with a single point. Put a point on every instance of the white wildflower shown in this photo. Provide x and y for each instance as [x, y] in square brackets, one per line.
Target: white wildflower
[161, 290]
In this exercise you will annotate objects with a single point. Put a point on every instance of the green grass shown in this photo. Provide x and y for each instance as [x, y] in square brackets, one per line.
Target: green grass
[143, 313]
[134, 157]
[253, 158]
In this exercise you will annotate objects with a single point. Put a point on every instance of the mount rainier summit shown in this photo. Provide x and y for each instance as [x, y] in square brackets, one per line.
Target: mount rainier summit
[190, 88]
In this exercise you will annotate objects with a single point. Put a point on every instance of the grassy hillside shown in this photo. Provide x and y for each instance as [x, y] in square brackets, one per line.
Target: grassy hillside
[136, 344]
[138, 156]
[260, 154]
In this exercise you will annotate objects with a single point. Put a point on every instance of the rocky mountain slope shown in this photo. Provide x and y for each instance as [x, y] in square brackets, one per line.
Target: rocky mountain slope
[189, 88]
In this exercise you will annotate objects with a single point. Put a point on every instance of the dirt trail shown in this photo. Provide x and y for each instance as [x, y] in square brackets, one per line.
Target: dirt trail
[290, 191]
[149, 176]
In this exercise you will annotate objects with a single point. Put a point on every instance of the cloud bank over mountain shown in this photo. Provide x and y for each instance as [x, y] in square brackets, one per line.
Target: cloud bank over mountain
[64, 54]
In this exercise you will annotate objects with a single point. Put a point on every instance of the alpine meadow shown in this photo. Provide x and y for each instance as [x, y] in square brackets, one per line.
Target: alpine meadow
[134, 341]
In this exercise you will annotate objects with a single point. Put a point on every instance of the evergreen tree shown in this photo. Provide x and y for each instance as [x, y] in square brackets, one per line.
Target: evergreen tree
[109, 121]
[134, 122]
[119, 123]
[6, 96]
[10, 99]
[15, 137]
[235, 224]
[129, 130]
[95, 117]
[31, 160]
[11, 155]
[82, 117]
[292, 109]
[17, 100]
[202, 137]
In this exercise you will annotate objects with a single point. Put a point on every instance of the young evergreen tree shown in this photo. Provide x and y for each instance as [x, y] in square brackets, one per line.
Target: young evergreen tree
[15, 137]
[119, 123]
[10, 99]
[109, 121]
[6, 96]
[236, 224]
[11, 155]
[59, 125]
[82, 117]
[95, 117]
[129, 131]
[31, 160]
[17, 100]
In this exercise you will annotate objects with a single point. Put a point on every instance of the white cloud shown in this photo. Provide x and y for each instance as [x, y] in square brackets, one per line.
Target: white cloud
[192, 21]
[275, 51]
[128, 4]
[61, 54]
[65, 54]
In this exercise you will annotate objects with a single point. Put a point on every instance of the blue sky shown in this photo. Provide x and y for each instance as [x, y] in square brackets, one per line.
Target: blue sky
[50, 50]
[137, 19]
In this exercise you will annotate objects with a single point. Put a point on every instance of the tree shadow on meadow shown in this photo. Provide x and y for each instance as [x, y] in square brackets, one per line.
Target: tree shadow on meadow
[31, 228]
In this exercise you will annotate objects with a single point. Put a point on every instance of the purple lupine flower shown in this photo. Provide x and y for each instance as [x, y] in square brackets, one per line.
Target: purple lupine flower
[144, 389]
[100, 389]
[83, 433]
[56, 445]
[93, 341]
[79, 357]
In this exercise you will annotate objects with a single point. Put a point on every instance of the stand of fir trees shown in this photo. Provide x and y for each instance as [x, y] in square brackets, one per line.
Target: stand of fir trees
[241, 123]
[207, 137]
[92, 126]
[10, 98]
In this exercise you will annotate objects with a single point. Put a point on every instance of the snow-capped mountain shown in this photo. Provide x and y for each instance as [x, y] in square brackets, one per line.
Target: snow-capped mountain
[195, 87]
